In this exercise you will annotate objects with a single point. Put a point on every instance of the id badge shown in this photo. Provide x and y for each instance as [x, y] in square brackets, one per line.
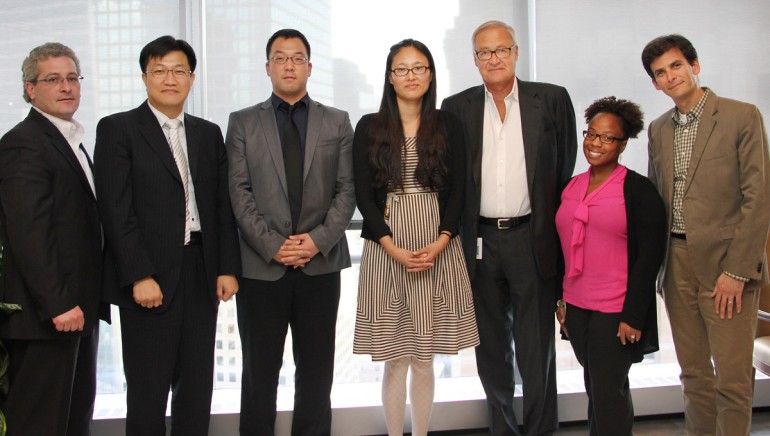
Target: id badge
[479, 244]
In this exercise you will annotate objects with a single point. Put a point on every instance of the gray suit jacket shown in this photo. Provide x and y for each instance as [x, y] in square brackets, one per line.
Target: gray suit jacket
[726, 203]
[259, 193]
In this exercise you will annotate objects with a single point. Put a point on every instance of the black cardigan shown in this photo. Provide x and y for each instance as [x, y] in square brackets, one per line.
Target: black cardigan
[646, 221]
[371, 201]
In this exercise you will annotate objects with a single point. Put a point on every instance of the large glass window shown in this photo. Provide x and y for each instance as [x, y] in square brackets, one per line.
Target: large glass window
[591, 48]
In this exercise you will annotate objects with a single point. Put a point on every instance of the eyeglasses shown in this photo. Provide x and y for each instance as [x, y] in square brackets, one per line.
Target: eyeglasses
[501, 53]
[296, 60]
[403, 71]
[58, 80]
[605, 139]
[162, 72]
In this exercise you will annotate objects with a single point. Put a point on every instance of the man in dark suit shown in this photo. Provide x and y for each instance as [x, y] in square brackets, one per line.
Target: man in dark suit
[172, 243]
[521, 151]
[52, 254]
[291, 182]
[708, 157]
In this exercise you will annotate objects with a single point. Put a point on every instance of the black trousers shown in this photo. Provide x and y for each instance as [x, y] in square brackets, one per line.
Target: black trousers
[52, 386]
[515, 310]
[307, 304]
[606, 362]
[172, 349]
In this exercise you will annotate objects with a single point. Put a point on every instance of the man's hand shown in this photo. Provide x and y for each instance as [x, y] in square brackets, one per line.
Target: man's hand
[727, 296]
[227, 286]
[70, 321]
[147, 293]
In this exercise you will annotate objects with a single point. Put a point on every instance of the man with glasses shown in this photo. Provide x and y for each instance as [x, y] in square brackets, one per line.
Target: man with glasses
[172, 243]
[52, 254]
[708, 157]
[521, 147]
[291, 183]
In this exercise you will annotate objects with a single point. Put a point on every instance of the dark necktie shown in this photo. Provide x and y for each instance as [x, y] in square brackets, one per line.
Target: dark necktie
[292, 161]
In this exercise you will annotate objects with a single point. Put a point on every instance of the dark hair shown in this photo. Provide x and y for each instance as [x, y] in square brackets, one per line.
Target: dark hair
[660, 45]
[163, 46]
[287, 34]
[629, 113]
[387, 132]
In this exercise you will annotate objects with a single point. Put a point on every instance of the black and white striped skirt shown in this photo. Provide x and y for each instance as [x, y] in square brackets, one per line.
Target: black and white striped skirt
[413, 314]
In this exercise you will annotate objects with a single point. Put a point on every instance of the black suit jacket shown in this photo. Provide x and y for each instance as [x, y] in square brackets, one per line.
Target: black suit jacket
[50, 231]
[141, 201]
[550, 147]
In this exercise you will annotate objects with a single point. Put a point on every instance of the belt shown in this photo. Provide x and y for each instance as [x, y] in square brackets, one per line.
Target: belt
[679, 235]
[196, 238]
[504, 223]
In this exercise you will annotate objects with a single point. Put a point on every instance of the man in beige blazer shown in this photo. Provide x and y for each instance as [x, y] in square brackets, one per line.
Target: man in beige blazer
[708, 158]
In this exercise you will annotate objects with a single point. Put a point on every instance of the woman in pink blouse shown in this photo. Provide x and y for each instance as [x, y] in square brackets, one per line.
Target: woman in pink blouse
[612, 227]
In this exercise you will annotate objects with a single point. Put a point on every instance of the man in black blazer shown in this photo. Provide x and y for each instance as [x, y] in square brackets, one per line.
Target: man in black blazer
[521, 147]
[172, 243]
[52, 254]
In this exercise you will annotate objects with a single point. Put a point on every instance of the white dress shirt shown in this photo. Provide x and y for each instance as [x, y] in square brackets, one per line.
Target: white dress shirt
[73, 132]
[504, 191]
[195, 223]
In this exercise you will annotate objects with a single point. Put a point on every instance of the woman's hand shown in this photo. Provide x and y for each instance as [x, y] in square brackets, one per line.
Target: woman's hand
[409, 259]
[626, 333]
[561, 316]
[431, 251]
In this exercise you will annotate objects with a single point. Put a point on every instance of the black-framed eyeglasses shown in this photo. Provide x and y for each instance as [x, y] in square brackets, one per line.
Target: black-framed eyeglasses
[296, 60]
[163, 72]
[605, 139]
[59, 80]
[501, 53]
[403, 71]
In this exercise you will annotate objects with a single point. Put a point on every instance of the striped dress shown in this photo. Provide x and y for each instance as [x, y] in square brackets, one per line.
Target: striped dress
[413, 314]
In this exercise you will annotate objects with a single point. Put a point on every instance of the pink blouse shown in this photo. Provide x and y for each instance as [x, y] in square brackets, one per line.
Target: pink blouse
[594, 239]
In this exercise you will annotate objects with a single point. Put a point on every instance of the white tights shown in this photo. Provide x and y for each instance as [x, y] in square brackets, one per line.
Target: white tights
[421, 388]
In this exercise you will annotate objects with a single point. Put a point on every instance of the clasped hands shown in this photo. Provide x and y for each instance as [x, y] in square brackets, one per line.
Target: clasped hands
[296, 251]
[415, 261]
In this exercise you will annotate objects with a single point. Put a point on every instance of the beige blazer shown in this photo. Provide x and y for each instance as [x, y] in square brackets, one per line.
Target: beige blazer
[726, 204]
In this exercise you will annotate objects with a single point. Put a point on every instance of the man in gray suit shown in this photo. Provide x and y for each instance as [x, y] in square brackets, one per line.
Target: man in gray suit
[291, 183]
[708, 157]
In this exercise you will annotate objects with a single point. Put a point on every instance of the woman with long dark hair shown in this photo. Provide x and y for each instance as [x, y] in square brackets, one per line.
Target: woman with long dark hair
[414, 296]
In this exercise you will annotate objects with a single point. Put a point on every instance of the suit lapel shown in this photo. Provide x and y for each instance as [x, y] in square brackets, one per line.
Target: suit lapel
[475, 117]
[529, 108]
[153, 134]
[314, 119]
[273, 140]
[705, 128]
[61, 145]
[193, 137]
[666, 149]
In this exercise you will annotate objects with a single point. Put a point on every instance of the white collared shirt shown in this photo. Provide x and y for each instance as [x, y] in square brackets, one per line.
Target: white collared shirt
[195, 223]
[504, 191]
[73, 132]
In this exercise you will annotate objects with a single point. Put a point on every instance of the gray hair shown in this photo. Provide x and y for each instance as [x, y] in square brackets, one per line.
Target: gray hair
[493, 24]
[30, 69]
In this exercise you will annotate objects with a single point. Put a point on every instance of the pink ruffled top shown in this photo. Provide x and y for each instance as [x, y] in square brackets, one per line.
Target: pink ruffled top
[594, 239]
